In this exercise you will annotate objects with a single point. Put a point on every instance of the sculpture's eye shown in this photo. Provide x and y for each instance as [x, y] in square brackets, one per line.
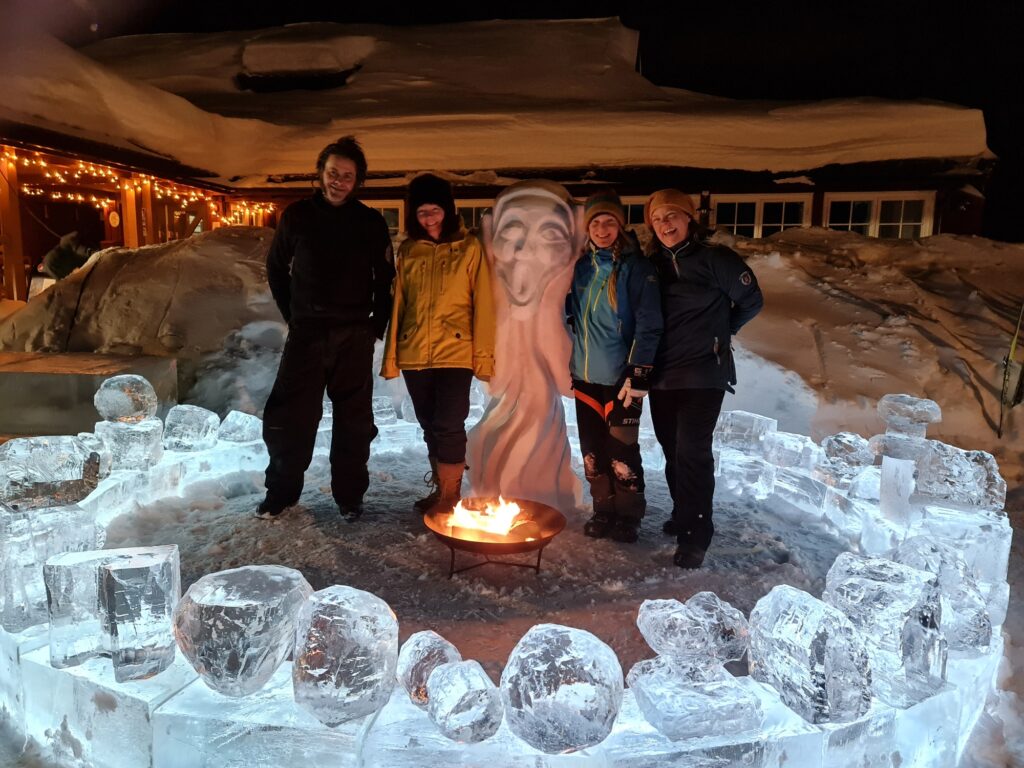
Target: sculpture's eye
[513, 231]
[552, 234]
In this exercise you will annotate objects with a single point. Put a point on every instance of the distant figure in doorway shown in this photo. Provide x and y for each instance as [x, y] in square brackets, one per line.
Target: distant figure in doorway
[442, 329]
[707, 294]
[614, 311]
[330, 272]
[65, 257]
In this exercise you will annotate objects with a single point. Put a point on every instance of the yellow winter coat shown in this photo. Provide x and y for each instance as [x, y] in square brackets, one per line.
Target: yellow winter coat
[443, 312]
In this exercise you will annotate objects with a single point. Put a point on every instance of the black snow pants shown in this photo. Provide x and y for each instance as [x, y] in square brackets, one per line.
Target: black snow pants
[440, 397]
[609, 442]
[339, 360]
[684, 423]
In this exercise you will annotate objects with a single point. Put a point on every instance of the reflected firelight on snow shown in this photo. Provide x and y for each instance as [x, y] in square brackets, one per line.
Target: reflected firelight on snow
[494, 518]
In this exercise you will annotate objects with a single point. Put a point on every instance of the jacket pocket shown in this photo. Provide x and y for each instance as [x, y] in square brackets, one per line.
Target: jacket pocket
[456, 331]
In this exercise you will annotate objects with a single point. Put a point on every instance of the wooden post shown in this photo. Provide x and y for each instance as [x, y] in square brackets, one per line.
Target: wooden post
[15, 280]
[129, 215]
[147, 225]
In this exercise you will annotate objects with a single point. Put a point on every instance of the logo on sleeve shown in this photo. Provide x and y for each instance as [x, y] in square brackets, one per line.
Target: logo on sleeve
[746, 278]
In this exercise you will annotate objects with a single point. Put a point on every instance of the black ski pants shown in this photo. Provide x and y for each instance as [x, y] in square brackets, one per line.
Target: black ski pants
[440, 397]
[609, 442]
[339, 360]
[684, 423]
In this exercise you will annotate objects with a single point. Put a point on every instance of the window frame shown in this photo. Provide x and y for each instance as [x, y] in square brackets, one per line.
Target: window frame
[378, 205]
[473, 202]
[807, 198]
[876, 199]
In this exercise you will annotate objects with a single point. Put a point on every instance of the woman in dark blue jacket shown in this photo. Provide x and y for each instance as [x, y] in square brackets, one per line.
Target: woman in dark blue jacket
[707, 294]
[614, 310]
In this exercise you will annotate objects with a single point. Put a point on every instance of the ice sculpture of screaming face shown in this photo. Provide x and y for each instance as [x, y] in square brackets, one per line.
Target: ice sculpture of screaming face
[532, 238]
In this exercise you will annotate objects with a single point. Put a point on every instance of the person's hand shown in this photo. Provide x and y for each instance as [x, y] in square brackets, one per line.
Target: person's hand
[627, 394]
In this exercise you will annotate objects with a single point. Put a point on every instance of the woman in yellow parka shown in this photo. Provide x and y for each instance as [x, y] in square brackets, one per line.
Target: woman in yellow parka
[442, 328]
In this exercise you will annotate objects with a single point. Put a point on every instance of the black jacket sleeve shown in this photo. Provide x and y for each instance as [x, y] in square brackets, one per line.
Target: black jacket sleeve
[383, 277]
[279, 260]
[737, 281]
[645, 298]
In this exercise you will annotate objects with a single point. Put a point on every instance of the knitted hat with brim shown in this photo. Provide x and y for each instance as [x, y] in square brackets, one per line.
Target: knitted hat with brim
[671, 198]
[428, 189]
[605, 201]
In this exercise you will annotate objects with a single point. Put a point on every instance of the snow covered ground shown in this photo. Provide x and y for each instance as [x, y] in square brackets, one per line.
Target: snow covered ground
[847, 319]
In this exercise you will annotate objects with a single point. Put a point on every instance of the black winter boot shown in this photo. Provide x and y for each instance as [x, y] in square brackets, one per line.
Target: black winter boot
[600, 523]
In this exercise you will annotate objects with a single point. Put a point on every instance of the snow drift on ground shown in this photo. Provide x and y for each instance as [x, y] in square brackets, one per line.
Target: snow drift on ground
[481, 95]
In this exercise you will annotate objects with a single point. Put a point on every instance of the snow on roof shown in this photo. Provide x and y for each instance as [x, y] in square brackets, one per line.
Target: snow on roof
[461, 97]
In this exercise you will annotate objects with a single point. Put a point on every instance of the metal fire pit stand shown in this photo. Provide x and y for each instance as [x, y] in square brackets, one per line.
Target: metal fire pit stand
[543, 523]
[452, 570]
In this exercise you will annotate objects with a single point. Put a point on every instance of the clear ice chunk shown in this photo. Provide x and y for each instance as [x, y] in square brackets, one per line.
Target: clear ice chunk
[13, 648]
[743, 431]
[908, 415]
[97, 446]
[190, 428]
[465, 704]
[239, 427]
[383, 410]
[947, 472]
[898, 612]
[82, 716]
[743, 476]
[138, 594]
[812, 654]
[965, 620]
[236, 627]
[702, 631]
[786, 449]
[133, 445]
[127, 398]
[27, 539]
[867, 484]
[848, 448]
[266, 729]
[79, 628]
[982, 537]
[418, 657]
[782, 738]
[346, 650]
[47, 471]
[963, 477]
[562, 688]
[686, 709]
[797, 495]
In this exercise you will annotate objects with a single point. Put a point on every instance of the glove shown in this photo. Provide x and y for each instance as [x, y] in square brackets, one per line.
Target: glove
[636, 385]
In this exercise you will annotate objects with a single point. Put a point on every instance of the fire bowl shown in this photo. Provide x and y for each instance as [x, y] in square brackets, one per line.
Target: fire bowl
[533, 529]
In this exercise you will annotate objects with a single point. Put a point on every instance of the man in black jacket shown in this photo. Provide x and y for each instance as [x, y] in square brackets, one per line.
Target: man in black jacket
[707, 294]
[330, 269]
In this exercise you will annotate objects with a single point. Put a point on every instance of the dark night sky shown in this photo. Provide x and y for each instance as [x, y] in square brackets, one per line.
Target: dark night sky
[968, 53]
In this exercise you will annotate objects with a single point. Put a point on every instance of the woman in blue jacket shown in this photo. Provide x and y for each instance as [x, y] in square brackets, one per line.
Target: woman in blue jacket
[614, 309]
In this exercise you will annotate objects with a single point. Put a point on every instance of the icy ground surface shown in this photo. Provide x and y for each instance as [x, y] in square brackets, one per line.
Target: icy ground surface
[593, 585]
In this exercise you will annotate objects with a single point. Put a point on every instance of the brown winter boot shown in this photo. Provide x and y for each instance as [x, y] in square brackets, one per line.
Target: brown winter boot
[422, 505]
[449, 483]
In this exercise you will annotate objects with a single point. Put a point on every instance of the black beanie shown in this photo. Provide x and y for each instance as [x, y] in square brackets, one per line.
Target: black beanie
[428, 189]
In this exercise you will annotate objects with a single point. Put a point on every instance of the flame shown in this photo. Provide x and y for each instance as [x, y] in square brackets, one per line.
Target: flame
[493, 518]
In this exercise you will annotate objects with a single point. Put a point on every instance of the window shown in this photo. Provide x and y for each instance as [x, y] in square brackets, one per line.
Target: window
[759, 216]
[897, 215]
[472, 211]
[393, 213]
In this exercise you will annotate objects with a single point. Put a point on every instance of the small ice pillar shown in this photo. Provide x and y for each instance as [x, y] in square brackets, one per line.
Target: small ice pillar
[897, 485]
[908, 415]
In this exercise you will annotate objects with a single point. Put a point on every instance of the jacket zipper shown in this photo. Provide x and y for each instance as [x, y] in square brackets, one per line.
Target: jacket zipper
[586, 318]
